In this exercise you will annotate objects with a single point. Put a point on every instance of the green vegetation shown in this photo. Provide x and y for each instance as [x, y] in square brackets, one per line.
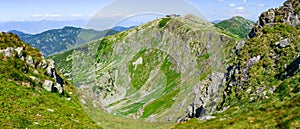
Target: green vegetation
[104, 51]
[23, 101]
[65, 62]
[162, 23]
[270, 113]
[25, 107]
[160, 104]
[237, 26]
[59, 40]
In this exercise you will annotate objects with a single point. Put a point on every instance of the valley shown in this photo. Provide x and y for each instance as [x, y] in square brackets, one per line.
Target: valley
[172, 72]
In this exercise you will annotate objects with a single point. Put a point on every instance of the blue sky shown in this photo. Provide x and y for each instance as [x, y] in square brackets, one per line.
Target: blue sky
[24, 10]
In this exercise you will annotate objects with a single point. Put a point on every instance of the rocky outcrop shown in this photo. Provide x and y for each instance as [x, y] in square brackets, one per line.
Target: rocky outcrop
[206, 96]
[32, 65]
[268, 56]
[289, 13]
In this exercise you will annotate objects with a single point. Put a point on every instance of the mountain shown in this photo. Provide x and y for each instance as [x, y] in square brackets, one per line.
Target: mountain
[34, 27]
[262, 82]
[190, 71]
[33, 94]
[121, 28]
[216, 21]
[153, 72]
[237, 25]
[58, 40]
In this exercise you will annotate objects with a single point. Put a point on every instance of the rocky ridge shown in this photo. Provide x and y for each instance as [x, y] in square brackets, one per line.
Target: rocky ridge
[33, 64]
[288, 13]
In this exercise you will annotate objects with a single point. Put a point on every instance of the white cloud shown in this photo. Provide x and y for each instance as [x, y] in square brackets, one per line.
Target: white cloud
[245, 1]
[232, 5]
[76, 15]
[53, 15]
[240, 8]
[261, 5]
[220, 0]
[47, 15]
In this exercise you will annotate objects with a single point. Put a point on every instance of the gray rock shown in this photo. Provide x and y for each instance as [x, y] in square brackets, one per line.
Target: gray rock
[207, 118]
[179, 119]
[51, 69]
[36, 72]
[20, 52]
[190, 111]
[43, 64]
[8, 52]
[30, 61]
[33, 78]
[59, 88]
[283, 43]
[206, 95]
[253, 60]
[48, 85]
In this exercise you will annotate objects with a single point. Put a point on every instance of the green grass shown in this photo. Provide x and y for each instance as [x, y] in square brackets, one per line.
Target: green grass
[141, 74]
[173, 76]
[162, 23]
[271, 113]
[160, 104]
[22, 106]
[130, 109]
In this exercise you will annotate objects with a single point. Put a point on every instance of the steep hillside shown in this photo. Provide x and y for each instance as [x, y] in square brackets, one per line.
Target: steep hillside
[154, 71]
[26, 83]
[237, 25]
[58, 40]
[263, 79]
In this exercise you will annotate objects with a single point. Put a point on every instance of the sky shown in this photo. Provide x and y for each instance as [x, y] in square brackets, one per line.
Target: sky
[36, 10]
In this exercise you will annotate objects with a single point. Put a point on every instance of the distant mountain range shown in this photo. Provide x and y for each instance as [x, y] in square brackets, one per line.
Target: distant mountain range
[58, 40]
[34, 27]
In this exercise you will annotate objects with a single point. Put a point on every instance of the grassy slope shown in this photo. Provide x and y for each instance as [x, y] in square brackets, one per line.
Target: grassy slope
[271, 113]
[25, 104]
[237, 25]
[23, 107]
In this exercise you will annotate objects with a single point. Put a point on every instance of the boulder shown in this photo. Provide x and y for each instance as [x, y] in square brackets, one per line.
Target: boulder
[20, 53]
[59, 88]
[30, 61]
[48, 85]
[8, 52]
[283, 43]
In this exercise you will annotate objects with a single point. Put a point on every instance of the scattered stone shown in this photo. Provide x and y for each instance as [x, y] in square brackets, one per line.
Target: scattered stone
[20, 52]
[33, 78]
[36, 72]
[7, 52]
[30, 61]
[69, 99]
[283, 43]
[50, 110]
[36, 123]
[253, 60]
[59, 88]
[48, 85]
[207, 118]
